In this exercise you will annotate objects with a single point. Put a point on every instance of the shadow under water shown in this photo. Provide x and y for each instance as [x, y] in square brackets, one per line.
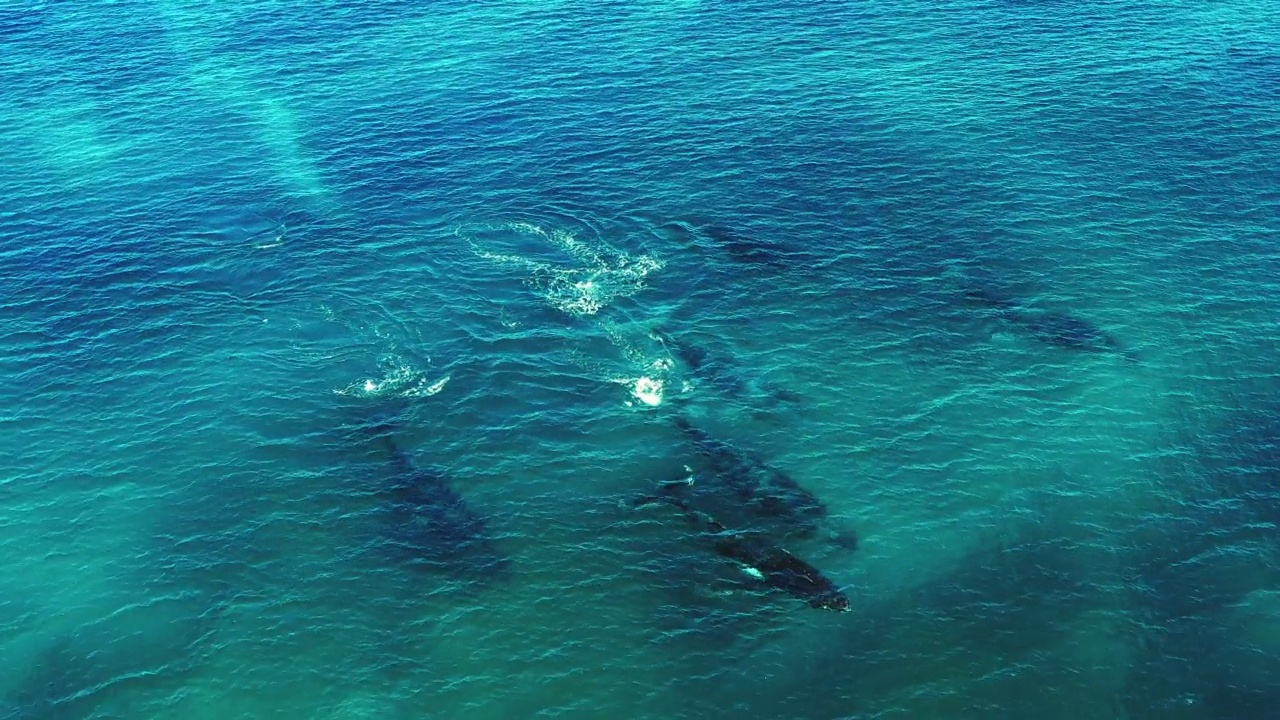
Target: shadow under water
[722, 375]
[745, 492]
[430, 525]
[1057, 329]
[760, 559]
[994, 621]
[1206, 584]
[747, 249]
[130, 655]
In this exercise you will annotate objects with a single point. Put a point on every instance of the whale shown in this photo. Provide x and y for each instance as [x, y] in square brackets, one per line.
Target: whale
[432, 524]
[746, 249]
[751, 493]
[1050, 327]
[760, 560]
[718, 372]
[715, 371]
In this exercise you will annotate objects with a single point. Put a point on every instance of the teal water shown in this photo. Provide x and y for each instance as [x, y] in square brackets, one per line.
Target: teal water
[994, 281]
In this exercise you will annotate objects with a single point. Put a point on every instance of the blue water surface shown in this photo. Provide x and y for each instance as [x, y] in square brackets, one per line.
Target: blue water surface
[340, 339]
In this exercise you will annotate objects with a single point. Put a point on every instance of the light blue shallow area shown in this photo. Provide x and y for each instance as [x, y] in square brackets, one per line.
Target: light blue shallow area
[996, 281]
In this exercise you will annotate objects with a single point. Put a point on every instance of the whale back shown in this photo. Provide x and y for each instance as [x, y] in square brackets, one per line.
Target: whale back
[431, 523]
[738, 485]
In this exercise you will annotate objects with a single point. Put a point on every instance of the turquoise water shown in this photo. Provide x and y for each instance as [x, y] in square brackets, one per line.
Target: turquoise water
[994, 281]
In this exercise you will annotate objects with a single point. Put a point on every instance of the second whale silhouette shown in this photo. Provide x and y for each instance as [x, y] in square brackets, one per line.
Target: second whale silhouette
[1050, 327]
[750, 493]
[759, 558]
[432, 523]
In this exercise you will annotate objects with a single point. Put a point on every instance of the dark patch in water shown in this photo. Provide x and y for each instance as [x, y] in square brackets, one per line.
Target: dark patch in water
[1050, 327]
[431, 522]
[763, 561]
[1197, 573]
[136, 650]
[1187, 592]
[715, 371]
[992, 614]
[737, 479]
[747, 249]
[722, 374]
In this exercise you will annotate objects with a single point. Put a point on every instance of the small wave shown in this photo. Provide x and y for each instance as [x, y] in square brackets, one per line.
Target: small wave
[597, 275]
[273, 238]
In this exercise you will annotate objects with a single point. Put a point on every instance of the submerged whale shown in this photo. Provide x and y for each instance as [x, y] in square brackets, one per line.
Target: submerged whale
[762, 561]
[718, 372]
[1050, 327]
[429, 520]
[754, 494]
[747, 249]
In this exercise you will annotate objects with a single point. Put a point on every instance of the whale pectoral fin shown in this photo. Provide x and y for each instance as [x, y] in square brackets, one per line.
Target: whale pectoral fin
[670, 492]
[648, 501]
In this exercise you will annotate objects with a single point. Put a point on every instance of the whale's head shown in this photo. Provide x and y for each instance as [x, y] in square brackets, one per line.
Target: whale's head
[834, 600]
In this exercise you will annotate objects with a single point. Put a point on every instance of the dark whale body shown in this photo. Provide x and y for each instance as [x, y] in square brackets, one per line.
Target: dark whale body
[766, 494]
[714, 370]
[747, 250]
[1052, 328]
[719, 373]
[1066, 331]
[433, 524]
[750, 493]
[769, 564]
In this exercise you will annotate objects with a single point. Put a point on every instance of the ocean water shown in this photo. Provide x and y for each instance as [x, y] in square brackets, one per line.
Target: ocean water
[339, 339]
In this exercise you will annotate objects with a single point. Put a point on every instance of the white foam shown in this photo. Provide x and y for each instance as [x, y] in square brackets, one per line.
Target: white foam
[648, 391]
[424, 390]
[582, 276]
[395, 378]
[277, 242]
[650, 388]
[400, 379]
[596, 276]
